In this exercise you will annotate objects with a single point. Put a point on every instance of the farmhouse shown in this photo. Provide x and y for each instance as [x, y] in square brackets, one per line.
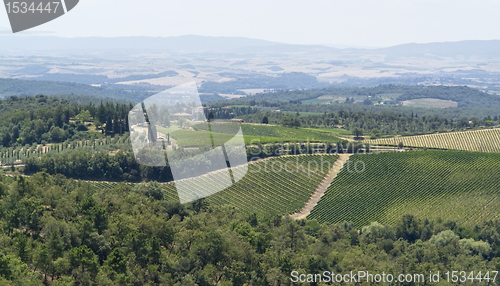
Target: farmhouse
[177, 116]
[238, 120]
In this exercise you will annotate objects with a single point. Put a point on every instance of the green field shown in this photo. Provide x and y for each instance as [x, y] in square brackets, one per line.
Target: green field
[330, 130]
[263, 192]
[253, 134]
[487, 140]
[450, 185]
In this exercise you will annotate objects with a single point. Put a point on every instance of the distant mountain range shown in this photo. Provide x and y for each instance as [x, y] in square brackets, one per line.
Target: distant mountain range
[193, 44]
[467, 49]
[187, 43]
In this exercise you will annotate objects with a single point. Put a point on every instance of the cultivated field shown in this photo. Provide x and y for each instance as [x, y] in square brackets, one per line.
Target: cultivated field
[262, 190]
[448, 185]
[431, 102]
[252, 133]
[21, 153]
[479, 140]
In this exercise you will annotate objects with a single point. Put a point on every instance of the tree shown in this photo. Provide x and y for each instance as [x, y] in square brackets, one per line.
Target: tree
[66, 115]
[210, 117]
[61, 266]
[117, 261]
[152, 134]
[58, 116]
[55, 245]
[408, 228]
[289, 121]
[200, 205]
[265, 120]
[210, 248]
[155, 253]
[100, 218]
[57, 134]
[166, 121]
[488, 121]
[22, 243]
[42, 259]
[357, 132]
[109, 125]
[84, 116]
[101, 113]
[182, 121]
[6, 139]
[127, 127]
[154, 190]
[400, 145]
[15, 133]
[83, 259]
[97, 123]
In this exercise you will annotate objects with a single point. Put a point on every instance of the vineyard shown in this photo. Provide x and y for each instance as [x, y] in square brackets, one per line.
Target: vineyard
[479, 140]
[267, 189]
[451, 185]
[19, 154]
[252, 134]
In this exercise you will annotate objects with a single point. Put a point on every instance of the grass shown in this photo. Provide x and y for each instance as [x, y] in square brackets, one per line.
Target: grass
[450, 185]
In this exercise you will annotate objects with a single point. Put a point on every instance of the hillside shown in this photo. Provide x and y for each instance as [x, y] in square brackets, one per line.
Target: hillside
[465, 49]
[252, 133]
[487, 140]
[447, 185]
[464, 96]
[268, 189]
[18, 87]
[187, 43]
[194, 43]
[66, 232]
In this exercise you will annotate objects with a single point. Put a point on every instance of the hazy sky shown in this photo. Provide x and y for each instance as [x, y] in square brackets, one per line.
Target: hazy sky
[349, 22]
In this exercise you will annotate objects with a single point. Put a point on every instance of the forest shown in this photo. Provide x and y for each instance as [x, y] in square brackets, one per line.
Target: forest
[58, 231]
[41, 119]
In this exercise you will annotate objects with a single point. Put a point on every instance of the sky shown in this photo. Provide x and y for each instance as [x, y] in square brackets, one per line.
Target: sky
[358, 23]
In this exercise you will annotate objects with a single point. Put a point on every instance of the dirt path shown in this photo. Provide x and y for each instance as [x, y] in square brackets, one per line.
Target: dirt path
[320, 190]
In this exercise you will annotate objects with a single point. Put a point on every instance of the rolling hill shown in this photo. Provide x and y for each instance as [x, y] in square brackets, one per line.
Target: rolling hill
[447, 185]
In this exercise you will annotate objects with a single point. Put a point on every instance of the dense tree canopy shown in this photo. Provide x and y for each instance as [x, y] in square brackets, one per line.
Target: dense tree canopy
[57, 231]
[41, 119]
